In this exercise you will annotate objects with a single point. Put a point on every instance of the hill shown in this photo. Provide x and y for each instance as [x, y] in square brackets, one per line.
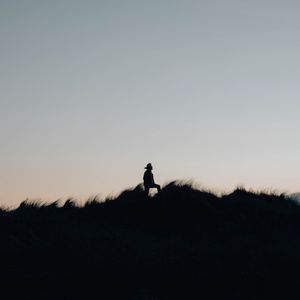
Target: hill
[180, 244]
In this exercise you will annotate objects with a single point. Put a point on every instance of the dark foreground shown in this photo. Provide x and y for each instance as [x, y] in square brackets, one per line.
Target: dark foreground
[181, 244]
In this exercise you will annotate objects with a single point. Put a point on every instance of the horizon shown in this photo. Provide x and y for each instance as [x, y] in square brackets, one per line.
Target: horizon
[92, 91]
[153, 194]
[81, 201]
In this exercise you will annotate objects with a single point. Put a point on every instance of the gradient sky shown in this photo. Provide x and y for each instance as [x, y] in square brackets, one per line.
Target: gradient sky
[91, 91]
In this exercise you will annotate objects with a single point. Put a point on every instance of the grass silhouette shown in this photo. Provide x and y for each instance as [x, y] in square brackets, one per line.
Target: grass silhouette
[183, 243]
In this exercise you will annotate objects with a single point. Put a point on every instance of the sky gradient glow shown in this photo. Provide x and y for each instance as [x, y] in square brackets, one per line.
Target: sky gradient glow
[91, 91]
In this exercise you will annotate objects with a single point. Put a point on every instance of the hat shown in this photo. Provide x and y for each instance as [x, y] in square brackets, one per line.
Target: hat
[149, 166]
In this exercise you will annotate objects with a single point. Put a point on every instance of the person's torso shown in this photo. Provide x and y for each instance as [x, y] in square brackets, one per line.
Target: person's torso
[148, 178]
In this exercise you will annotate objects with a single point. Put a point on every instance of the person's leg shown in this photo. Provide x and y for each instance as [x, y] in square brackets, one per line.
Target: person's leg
[147, 190]
[158, 187]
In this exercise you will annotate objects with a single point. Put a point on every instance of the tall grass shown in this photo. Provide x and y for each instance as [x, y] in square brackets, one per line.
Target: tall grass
[183, 243]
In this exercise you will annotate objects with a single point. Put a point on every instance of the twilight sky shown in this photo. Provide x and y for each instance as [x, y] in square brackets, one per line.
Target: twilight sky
[91, 91]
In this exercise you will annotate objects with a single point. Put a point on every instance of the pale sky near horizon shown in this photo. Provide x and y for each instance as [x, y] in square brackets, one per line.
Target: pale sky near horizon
[91, 91]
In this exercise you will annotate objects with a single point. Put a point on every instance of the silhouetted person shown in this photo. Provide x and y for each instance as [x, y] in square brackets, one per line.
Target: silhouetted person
[149, 180]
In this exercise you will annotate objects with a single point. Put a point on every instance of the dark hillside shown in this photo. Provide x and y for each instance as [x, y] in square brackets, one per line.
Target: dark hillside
[181, 244]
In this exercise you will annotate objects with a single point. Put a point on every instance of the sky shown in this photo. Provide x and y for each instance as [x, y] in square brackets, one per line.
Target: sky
[91, 91]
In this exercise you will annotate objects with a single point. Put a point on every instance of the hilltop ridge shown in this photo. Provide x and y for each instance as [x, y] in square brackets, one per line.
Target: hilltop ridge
[181, 243]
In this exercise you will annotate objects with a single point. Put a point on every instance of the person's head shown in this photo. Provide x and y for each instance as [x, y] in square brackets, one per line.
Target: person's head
[149, 167]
